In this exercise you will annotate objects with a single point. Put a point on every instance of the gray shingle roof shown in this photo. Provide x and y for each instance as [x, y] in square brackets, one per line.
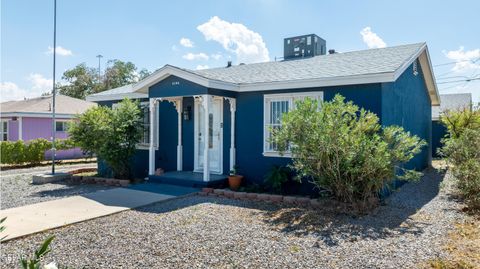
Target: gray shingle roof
[117, 94]
[124, 89]
[452, 102]
[63, 105]
[363, 62]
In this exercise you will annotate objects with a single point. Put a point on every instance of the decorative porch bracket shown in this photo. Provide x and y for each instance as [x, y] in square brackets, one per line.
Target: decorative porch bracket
[233, 108]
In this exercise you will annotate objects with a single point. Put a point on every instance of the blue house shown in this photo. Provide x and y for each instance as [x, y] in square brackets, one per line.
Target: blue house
[201, 123]
[455, 101]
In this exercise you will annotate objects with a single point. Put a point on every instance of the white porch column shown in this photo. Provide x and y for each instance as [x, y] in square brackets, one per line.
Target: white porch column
[178, 106]
[233, 108]
[206, 102]
[20, 128]
[151, 148]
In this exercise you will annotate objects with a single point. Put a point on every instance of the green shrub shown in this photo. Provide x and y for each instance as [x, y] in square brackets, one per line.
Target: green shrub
[32, 151]
[344, 149]
[111, 134]
[459, 120]
[276, 177]
[462, 151]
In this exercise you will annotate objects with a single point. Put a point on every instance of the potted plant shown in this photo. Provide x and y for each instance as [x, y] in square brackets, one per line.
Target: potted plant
[234, 180]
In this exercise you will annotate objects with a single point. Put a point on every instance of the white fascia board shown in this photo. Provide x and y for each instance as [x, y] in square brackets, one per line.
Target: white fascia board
[427, 70]
[166, 71]
[37, 115]
[114, 97]
[322, 82]
[407, 63]
[426, 64]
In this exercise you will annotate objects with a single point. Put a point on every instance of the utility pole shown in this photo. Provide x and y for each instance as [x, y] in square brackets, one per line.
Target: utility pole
[54, 92]
[99, 56]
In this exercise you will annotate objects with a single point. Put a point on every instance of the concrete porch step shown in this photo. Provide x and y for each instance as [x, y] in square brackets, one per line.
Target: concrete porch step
[189, 179]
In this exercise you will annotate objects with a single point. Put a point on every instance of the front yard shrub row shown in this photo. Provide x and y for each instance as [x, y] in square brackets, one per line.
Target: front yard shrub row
[462, 150]
[344, 150]
[33, 151]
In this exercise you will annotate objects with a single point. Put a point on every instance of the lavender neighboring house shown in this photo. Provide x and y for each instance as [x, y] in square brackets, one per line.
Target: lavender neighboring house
[32, 118]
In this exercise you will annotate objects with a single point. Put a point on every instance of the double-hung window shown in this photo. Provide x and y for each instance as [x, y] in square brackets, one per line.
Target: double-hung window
[4, 130]
[145, 124]
[275, 106]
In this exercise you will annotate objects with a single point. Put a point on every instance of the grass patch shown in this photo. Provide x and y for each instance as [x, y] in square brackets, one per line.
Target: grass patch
[463, 245]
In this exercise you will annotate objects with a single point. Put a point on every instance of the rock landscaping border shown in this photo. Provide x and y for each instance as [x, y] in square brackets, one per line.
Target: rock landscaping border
[82, 170]
[100, 181]
[262, 197]
[96, 180]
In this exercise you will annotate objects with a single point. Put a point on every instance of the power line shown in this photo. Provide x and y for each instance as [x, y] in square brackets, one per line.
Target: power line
[455, 62]
[461, 80]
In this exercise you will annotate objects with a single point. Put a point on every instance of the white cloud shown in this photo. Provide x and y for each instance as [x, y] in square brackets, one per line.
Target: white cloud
[372, 39]
[11, 91]
[237, 38]
[186, 42]
[200, 67]
[199, 56]
[40, 83]
[464, 59]
[216, 56]
[60, 51]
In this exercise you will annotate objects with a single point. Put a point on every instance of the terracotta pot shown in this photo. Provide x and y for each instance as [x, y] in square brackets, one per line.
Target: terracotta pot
[234, 182]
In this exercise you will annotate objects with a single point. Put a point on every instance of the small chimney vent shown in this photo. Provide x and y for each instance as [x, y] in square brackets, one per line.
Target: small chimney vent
[331, 51]
[229, 64]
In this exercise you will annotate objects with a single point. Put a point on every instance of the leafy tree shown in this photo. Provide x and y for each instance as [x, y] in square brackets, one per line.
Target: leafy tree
[119, 73]
[81, 81]
[344, 149]
[111, 134]
[143, 74]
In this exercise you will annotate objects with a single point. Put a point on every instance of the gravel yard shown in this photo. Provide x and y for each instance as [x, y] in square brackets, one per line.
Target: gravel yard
[205, 232]
[17, 190]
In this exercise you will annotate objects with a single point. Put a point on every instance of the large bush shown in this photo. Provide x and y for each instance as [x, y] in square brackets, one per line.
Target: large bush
[111, 134]
[32, 151]
[462, 151]
[458, 120]
[344, 149]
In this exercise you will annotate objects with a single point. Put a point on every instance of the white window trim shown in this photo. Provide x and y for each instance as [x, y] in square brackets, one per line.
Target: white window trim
[4, 131]
[267, 99]
[144, 146]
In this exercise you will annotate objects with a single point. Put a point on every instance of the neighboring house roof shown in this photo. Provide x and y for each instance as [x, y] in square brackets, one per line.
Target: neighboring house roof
[452, 102]
[349, 68]
[65, 106]
[117, 94]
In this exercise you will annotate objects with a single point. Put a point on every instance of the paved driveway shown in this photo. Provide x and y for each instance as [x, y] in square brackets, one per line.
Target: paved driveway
[43, 216]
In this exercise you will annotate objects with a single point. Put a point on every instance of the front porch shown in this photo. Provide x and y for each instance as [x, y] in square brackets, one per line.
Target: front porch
[201, 137]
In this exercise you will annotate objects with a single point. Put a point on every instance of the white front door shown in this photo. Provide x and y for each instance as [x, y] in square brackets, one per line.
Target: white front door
[214, 138]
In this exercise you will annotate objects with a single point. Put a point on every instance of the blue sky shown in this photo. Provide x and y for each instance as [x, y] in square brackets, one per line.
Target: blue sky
[149, 33]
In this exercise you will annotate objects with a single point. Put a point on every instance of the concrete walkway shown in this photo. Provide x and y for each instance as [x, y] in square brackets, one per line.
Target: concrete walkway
[43, 216]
